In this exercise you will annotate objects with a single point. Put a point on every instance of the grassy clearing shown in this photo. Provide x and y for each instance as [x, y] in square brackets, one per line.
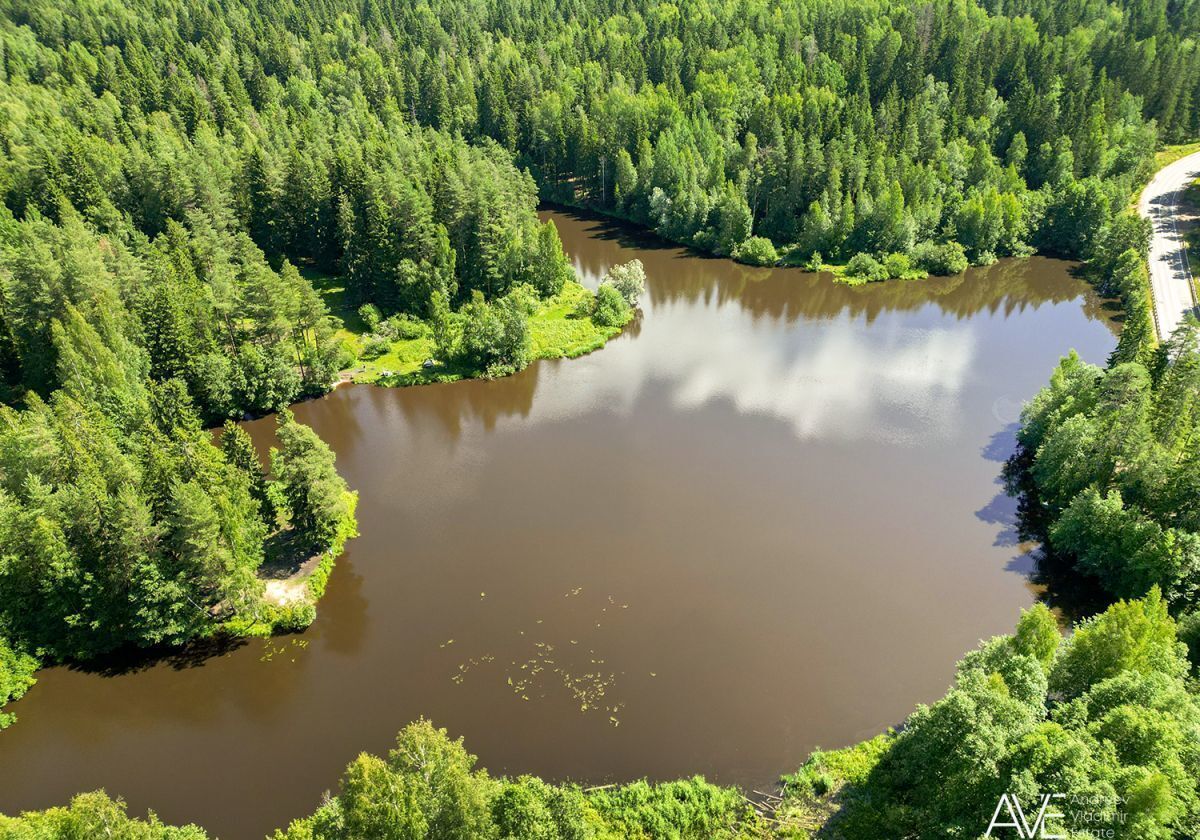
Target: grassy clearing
[555, 333]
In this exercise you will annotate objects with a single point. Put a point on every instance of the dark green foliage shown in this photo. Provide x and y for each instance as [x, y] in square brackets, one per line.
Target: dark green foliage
[119, 536]
[239, 452]
[1109, 463]
[317, 501]
[860, 126]
[165, 177]
[495, 336]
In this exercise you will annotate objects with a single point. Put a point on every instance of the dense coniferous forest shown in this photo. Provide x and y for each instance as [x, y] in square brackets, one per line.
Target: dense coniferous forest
[179, 179]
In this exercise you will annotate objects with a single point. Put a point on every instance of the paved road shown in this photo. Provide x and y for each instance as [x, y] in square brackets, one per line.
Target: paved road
[1170, 274]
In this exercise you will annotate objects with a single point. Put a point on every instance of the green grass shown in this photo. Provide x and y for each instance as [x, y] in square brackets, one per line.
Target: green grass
[1169, 154]
[554, 332]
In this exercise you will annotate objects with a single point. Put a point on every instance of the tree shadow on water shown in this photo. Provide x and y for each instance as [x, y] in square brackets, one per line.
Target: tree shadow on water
[133, 660]
[1023, 525]
[1002, 510]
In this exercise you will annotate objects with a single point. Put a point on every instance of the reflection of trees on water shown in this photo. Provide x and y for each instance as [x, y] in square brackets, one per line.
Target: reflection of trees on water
[477, 401]
[252, 676]
[454, 405]
[343, 616]
[1060, 584]
[676, 274]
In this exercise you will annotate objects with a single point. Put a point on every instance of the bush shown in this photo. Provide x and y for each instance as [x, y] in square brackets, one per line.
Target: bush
[375, 346]
[16, 676]
[584, 306]
[814, 262]
[406, 327]
[866, 268]
[371, 316]
[940, 259]
[898, 265]
[629, 279]
[757, 250]
[611, 309]
[495, 337]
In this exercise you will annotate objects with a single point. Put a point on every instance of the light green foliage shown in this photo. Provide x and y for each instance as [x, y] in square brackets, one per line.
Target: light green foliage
[370, 315]
[428, 787]
[689, 810]
[941, 259]
[16, 677]
[442, 326]
[900, 266]
[629, 279]
[91, 815]
[551, 267]
[864, 268]
[1130, 636]
[1037, 635]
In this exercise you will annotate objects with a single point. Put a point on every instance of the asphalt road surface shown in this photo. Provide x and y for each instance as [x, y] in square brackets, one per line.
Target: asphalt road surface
[1170, 274]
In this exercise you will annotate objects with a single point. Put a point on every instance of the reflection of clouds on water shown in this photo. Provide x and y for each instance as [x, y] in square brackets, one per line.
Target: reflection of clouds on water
[839, 382]
[835, 379]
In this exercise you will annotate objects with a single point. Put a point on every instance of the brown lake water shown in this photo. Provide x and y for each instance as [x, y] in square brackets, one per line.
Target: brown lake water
[766, 518]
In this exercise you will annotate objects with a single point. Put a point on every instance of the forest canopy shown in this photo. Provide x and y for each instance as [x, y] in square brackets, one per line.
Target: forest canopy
[174, 175]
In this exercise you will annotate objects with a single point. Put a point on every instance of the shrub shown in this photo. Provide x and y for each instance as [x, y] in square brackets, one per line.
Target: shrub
[629, 279]
[898, 265]
[814, 262]
[496, 336]
[866, 268]
[940, 258]
[16, 676]
[611, 309]
[375, 346]
[757, 250]
[406, 327]
[584, 306]
[371, 316]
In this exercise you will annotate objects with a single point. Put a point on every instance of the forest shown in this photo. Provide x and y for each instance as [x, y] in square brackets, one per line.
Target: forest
[180, 181]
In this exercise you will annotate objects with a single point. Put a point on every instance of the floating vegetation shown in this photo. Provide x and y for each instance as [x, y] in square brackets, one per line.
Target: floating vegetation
[586, 681]
[271, 649]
